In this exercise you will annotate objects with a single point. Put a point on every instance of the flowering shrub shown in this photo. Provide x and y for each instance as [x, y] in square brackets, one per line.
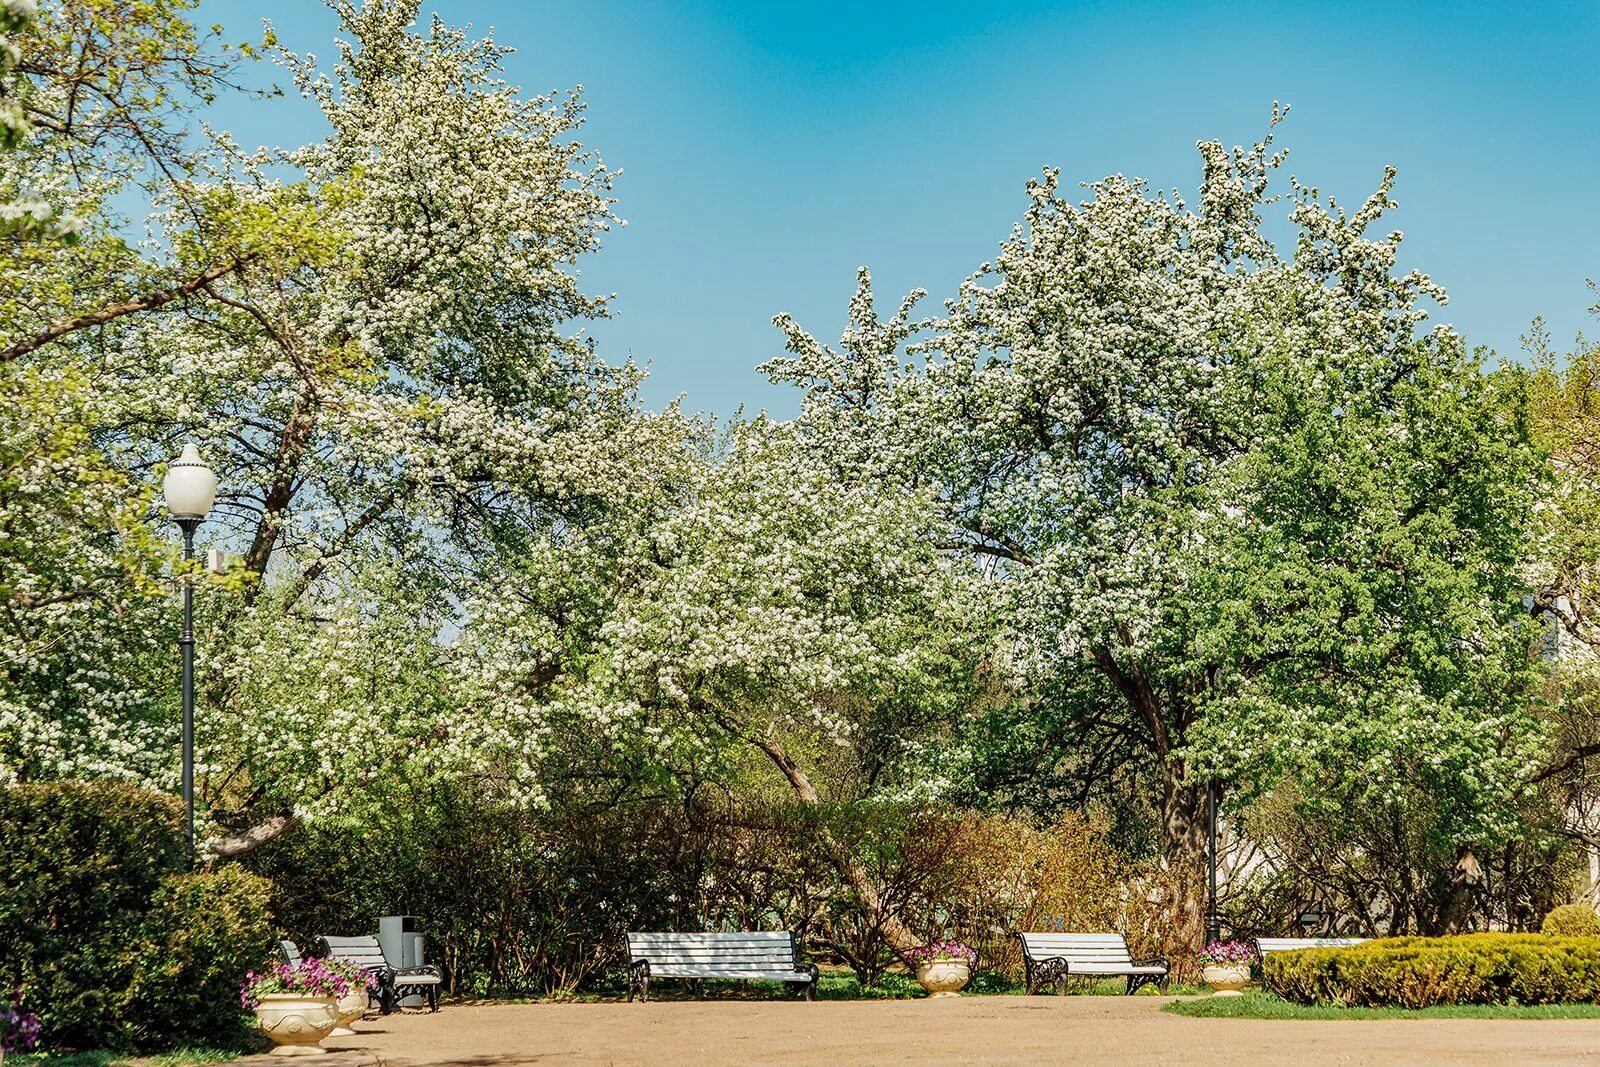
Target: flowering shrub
[19, 1029]
[313, 977]
[943, 950]
[1228, 952]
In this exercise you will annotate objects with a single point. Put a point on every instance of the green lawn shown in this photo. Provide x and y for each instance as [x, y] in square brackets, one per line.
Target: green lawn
[184, 1057]
[1259, 1005]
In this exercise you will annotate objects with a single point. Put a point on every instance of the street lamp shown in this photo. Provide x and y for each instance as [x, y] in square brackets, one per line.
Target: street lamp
[190, 488]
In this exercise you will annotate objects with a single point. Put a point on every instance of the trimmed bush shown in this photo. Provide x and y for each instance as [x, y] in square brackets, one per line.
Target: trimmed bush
[202, 934]
[1418, 972]
[79, 863]
[1571, 920]
[115, 945]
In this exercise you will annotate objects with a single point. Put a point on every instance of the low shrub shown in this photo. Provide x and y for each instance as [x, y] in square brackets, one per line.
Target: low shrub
[202, 934]
[114, 944]
[81, 864]
[1419, 972]
[1571, 920]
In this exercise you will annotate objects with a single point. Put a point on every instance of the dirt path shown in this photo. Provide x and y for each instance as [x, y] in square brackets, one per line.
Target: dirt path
[975, 1030]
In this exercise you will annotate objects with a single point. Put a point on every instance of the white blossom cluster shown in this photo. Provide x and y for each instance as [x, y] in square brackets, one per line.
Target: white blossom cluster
[1126, 418]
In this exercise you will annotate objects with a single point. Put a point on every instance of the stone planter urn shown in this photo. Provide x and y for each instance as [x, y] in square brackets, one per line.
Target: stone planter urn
[1226, 979]
[352, 1006]
[944, 978]
[297, 1022]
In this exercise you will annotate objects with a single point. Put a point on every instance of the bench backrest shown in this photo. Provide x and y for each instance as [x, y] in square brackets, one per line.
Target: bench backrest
[756, 949]
[1111, 949]
[1265, 945]
[364, 952]
[290, 952]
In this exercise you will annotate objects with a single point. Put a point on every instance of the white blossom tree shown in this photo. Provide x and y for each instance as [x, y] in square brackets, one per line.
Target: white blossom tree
[373, 339]
[1238, 495]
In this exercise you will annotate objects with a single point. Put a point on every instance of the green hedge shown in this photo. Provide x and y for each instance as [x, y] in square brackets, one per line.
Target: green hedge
[1418, 972]
[113, 943]
[1571, 920]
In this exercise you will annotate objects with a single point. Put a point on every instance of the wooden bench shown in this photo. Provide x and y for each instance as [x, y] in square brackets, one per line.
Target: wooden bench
[1265, 945]
[759, 955]
[1054, 957]
[393, 983]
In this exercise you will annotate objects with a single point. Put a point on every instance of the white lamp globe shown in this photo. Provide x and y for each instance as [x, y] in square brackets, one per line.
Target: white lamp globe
[191, 486]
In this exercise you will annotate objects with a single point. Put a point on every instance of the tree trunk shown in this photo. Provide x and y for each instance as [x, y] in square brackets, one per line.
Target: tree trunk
[1466, 884]
[1183, 826]
[246, 840]
[854, 872]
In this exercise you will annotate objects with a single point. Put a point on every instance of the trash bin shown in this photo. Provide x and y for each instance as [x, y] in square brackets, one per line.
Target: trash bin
[402, 946]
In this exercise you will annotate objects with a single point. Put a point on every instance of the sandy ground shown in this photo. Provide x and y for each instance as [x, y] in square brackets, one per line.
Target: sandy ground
[967, 1030]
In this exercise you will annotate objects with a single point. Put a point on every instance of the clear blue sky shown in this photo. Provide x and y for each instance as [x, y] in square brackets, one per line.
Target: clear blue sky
[768, 149]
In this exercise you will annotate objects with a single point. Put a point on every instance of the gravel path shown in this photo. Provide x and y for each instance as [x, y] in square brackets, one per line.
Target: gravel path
[968, 1030]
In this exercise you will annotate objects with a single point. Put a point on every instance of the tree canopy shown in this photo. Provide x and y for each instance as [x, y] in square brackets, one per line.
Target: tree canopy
[1152, 504]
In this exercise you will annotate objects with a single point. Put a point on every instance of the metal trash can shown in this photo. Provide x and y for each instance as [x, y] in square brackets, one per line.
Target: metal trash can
[402, 947]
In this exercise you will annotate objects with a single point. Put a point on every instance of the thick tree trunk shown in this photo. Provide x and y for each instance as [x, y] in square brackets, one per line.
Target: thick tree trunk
[1184, 826]
[1183, 801]
[854, 872]
[1467, 883]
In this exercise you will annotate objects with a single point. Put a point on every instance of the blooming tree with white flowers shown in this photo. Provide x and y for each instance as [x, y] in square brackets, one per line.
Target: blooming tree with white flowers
[372, 339]
[1237, 507]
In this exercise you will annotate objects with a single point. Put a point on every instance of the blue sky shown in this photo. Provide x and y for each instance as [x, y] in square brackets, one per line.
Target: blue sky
[768, 149]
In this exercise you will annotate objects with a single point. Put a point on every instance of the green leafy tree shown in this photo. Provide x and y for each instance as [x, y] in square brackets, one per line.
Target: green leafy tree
[1565, 569]
[1235, 506]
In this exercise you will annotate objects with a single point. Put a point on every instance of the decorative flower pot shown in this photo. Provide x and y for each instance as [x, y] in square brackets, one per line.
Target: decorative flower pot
[1226, 979]
[943, 978]
[297, 1023]
[352, 1006]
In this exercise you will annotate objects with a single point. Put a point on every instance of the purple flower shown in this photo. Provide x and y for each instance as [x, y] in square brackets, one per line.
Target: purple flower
[313, 977]
[1229, 952]
[943, 950]
[19, 1029]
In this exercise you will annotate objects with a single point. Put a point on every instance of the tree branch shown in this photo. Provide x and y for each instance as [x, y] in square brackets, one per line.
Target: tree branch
[106, 314]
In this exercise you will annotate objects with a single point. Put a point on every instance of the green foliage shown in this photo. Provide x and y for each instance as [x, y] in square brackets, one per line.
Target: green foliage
[114, 946]
[201, 934]
[82, 863]
[1416, 972]
[1571, 920]
[1398, 864]
[182, 1057]
[514, 901]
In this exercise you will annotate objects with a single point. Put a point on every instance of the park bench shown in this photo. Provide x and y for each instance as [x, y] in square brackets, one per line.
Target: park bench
[1264, 945]
[1054, 957]
[752, 955]
[290, 953]
[393, 983]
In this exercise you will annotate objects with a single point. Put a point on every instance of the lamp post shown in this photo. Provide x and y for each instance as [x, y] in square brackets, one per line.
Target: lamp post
[190, 489]
[1213, 920]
